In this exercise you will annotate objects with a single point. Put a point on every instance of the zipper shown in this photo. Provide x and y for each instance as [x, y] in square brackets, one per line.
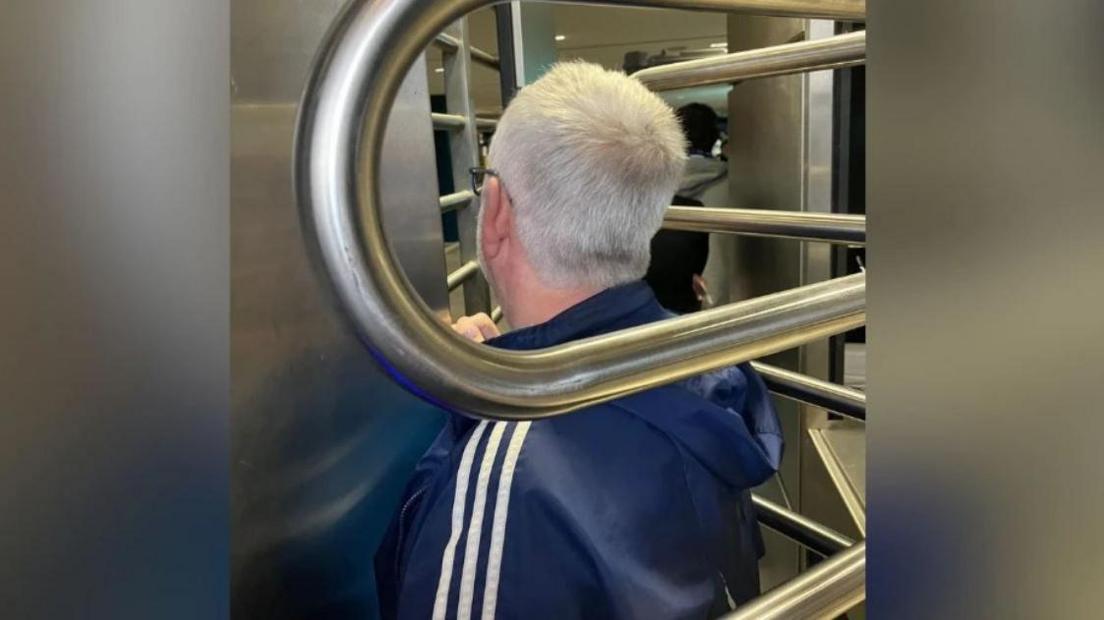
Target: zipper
[402, 526]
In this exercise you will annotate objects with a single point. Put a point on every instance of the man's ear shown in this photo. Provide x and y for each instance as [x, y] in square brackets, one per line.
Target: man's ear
[497, 218]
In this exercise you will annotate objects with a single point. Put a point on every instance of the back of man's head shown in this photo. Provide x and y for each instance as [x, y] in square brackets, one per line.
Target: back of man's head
[590, 159]
[699, 121]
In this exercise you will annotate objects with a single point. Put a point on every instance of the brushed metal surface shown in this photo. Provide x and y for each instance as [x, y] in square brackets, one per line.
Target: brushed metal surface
[322, 440]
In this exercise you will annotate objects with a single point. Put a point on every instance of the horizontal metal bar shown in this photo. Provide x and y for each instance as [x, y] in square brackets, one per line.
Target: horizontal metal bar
[842, 50]
[459, 276]
[486, 123]
[496, 314]
[342, 122]
[448, 121]
[830, 227]
[800, 529]
[451, 44]
[849, 10]
[816, 392]
[825, 591]
[448, 202]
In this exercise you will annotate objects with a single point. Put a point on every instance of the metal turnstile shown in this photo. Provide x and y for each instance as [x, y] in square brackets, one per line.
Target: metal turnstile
[371, 46]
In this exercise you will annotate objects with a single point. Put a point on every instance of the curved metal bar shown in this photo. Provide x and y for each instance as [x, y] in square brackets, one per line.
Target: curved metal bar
[800, 529]
[448, 121]
[830, 227]
[812, 391]
[824, 591]
[343, 118]
[844, 50]
[448, 202]
[466, 271]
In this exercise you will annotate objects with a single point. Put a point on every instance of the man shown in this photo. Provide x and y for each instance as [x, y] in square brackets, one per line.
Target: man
[634, 508]
[705, 180]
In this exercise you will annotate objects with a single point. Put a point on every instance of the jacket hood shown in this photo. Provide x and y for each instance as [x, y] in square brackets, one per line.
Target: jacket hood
[700, 174]
[724, 418]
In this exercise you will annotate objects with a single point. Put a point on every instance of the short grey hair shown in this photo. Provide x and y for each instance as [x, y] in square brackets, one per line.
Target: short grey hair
[590, 159]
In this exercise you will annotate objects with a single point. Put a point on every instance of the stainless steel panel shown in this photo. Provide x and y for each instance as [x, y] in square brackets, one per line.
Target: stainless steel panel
[322, 440]
[834, 476]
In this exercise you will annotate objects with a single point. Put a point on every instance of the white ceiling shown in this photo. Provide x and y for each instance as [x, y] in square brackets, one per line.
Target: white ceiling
[599, 34]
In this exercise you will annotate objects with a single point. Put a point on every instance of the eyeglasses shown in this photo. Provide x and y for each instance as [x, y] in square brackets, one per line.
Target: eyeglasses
[478, 175]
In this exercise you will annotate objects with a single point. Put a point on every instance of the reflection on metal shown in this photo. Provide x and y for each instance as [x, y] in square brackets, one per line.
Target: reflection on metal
[467, 270]
[353, 86]
[812, 391]
[486, 123]
[448, 121]
[830, 227]
[843, 476]
[448, 202]
[450, 44]
[496, 314]
[802, 530]
[843, 50]
[825, 591]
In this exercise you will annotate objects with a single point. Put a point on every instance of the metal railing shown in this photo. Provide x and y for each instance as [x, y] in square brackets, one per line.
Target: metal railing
[844, 50]
[342, 122]
[448, 202]
[466, 271]
[448, 121]
[451, 44]
[802, 530]
[824, 591]
[829, 227]
[812, 391]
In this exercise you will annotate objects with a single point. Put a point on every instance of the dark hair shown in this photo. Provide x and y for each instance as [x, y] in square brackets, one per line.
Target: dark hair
[677, 256]
[699, 123]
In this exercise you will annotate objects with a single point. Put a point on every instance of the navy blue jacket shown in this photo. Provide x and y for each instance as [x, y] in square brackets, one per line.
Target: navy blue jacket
[634, 508]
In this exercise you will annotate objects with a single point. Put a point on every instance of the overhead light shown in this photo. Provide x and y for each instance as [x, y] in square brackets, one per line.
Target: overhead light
[561, 37]
[715, 45]
[439, 70]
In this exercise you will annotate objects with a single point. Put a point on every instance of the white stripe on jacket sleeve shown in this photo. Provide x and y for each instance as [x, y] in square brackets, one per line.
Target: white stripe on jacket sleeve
[463, 473]
[501, 512]
[475, 525]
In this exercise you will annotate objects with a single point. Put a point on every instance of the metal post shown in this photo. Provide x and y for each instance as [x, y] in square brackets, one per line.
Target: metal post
[464, 151]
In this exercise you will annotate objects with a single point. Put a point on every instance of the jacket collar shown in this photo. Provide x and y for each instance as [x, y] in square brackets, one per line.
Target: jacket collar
[615, 308]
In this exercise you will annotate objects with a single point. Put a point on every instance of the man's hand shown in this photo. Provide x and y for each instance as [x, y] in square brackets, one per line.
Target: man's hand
[477, 327]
